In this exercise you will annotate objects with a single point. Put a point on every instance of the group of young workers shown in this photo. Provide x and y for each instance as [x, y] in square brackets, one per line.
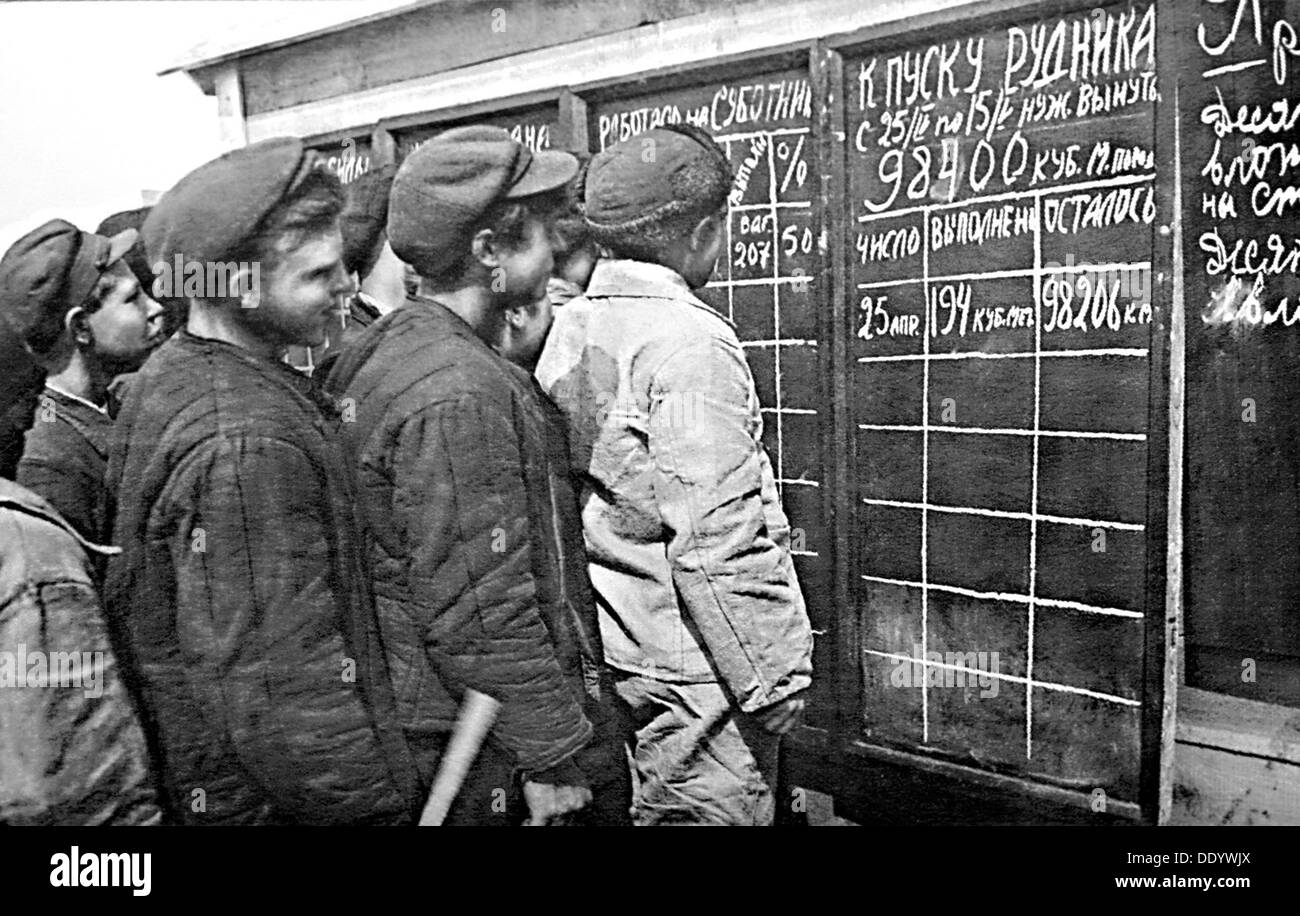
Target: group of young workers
[289, 582]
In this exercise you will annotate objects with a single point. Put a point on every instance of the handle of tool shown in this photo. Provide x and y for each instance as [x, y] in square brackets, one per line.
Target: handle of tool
[477, 713]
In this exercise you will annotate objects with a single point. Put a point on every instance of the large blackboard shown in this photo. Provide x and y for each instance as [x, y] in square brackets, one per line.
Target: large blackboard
[1002, 216]
[1239, 108]
[766, 284]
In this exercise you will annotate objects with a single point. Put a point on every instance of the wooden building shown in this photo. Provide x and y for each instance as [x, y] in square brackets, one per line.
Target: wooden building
[1027, 385]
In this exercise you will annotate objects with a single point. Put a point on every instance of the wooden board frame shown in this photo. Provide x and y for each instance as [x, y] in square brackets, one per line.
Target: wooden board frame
[338, 136]
[492, 108]
[831, 213]
[782, 57]
[468, 112]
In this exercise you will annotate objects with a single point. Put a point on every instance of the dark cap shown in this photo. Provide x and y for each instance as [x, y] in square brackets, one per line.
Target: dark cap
[639, 178]
[210, 213]
[48, 271]
[365, 217]
[448, 183]
[135, 259]
[174, 306]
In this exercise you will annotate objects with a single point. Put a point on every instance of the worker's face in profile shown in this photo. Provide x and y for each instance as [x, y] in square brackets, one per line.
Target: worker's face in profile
[301, 296]
[526, 267]
[127, 324]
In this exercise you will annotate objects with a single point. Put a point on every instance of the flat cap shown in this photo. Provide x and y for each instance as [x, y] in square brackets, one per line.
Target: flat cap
[448, 183]
[365, 217]
[48, 271]
[641, 177]
[176, 307]
[136, 259]
[211, 212]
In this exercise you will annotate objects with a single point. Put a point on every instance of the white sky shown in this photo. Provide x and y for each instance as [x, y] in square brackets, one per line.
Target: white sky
[86, 124]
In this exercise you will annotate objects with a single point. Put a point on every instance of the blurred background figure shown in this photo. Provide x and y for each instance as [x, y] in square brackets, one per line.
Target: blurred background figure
[366, 252]
[574, 250]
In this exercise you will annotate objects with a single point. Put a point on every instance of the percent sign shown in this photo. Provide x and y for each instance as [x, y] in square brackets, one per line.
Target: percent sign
[796, 168]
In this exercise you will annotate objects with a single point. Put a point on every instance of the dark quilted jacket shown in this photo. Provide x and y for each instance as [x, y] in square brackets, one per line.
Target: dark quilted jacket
[242, 599]
[475, 546]
[65, 459]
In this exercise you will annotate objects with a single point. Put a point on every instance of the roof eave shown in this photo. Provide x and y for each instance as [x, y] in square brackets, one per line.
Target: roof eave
[200, 69]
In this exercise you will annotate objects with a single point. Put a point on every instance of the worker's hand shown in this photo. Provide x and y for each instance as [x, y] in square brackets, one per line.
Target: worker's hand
[550, 806]
[779, 718]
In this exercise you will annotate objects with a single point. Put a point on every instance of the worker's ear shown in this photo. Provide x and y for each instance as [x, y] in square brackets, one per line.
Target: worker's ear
[77, 324]
[247, 286]
[517, 316]
[707, 232]
[486, 248]
[490, 253]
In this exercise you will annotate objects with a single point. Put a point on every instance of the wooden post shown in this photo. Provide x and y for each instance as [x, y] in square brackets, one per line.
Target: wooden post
[1173, 657]
[838, 439]
[573, 123]
[230, 107]
[1165, 471]
[383, 148]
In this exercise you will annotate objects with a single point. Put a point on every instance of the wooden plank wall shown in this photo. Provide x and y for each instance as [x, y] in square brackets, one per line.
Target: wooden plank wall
[1237, 762]
[399, 48]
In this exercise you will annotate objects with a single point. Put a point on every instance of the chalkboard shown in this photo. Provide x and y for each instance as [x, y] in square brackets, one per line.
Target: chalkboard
[765, 283]
[1238, 115]
[536, 127]
[1001, 230]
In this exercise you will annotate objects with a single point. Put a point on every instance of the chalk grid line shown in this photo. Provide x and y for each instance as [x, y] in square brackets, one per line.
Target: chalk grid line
[1033, 503]
[925, 478]
[1076, 188]
[1009, 597]
[1010, 678]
